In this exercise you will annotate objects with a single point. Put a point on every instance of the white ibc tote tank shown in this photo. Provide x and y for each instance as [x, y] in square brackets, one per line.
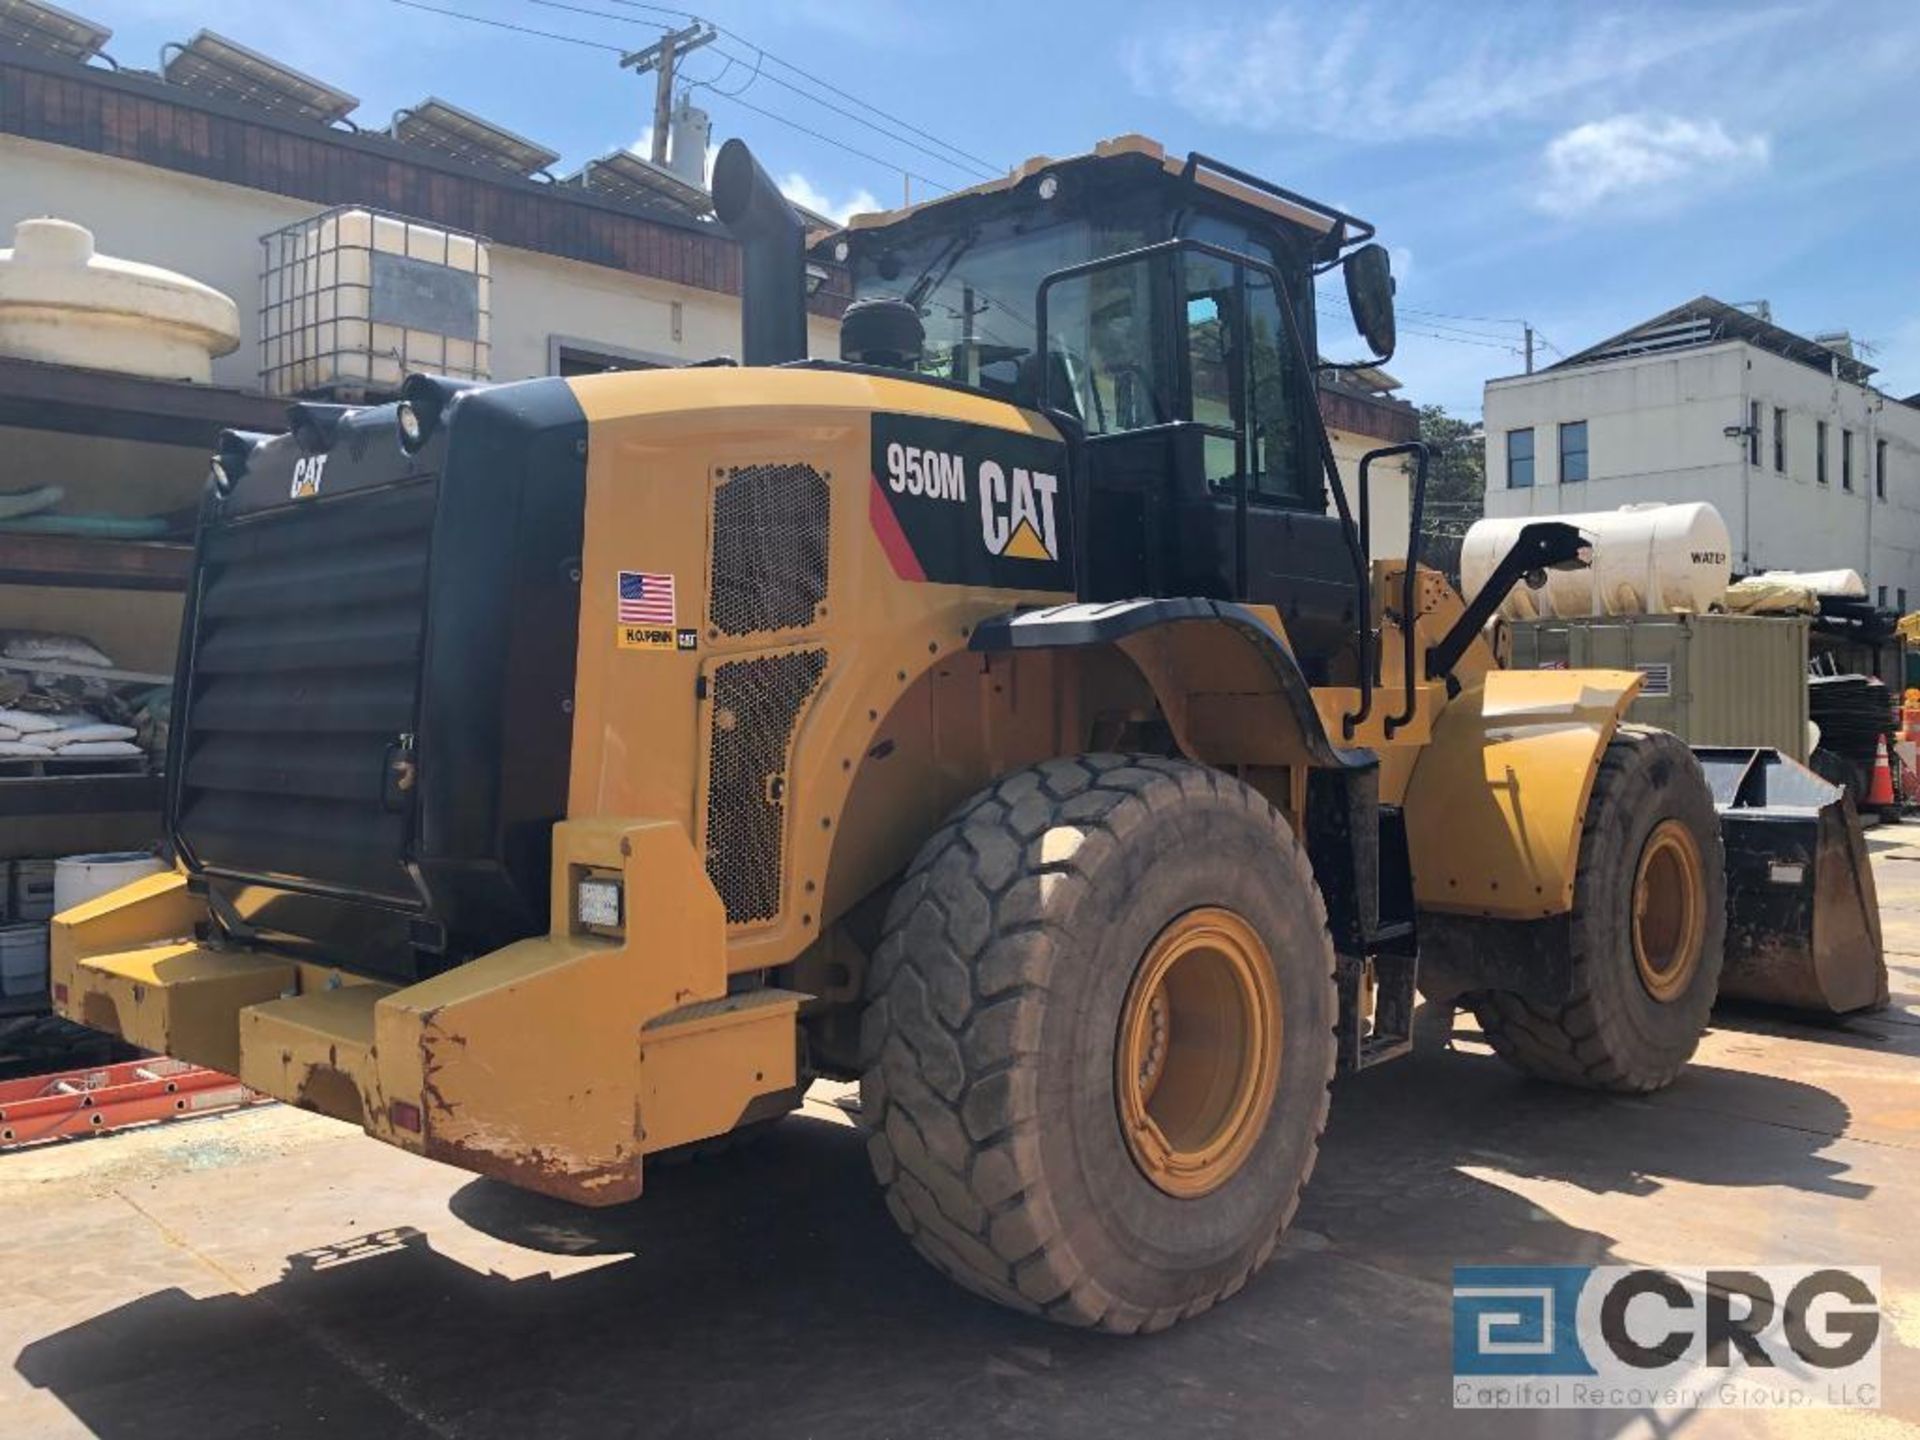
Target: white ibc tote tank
[1647, 560]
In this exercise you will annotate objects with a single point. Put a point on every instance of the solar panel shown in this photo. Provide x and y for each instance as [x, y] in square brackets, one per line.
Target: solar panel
[624, 175]
[32, 25]
[211, 64]
[434, 124]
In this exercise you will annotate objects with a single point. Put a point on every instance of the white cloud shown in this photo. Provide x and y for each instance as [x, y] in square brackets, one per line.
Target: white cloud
[1405, 69]
[802, 191]
[1642, 158]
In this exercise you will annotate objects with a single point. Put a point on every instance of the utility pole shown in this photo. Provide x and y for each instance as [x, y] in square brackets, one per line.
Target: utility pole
[1529, 330]
[661, 57]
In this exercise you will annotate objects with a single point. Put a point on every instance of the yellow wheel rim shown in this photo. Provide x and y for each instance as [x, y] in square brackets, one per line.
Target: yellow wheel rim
[1199, 1055]
[1669, 910]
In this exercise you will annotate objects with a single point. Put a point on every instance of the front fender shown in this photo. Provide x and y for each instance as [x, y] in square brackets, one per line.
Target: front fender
[1229, 687]
[1497, 799]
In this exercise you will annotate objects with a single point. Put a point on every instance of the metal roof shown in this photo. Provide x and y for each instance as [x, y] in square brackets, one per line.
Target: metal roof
[1707, 321]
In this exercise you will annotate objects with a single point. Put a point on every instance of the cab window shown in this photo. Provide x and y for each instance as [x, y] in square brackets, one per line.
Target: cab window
[1263, 388]
[975, 288]
[1107, 354]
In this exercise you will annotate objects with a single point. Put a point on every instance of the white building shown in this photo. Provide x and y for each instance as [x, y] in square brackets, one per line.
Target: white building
[1811, 466]
[1361, 413]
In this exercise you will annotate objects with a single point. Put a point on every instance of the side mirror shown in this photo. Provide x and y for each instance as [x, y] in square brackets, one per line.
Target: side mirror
[1369, 272]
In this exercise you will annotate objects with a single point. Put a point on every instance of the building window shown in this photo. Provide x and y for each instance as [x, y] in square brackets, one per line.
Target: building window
[1753, 432]
[1901, 596]
[1846, 459]
[1779, 440]
[1880, 597]
[1820, 451]
[1880, 468]
[1519, 459]
[568, 360]
[1573, 452]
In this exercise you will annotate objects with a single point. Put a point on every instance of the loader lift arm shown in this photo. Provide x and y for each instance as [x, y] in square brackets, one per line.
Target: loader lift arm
[1543, 545]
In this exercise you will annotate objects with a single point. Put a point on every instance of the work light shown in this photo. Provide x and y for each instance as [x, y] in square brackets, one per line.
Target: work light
[597, 902]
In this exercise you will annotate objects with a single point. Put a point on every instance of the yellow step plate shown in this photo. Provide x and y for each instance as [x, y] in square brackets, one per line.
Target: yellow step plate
[315, 1050]
[709, 1067]
[181, 999]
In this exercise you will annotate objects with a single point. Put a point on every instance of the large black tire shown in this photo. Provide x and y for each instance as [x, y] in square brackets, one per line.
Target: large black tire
[1612, 1032]
[991, 1037]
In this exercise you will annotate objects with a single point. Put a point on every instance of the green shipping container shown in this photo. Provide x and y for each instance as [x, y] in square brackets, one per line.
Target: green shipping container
[1711, 679]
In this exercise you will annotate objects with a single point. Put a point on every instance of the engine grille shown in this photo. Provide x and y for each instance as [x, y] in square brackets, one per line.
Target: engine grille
[756, 704]
[305, 674]
[769, 569]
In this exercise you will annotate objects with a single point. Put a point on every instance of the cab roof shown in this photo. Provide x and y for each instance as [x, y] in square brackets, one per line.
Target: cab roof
[1336, 229]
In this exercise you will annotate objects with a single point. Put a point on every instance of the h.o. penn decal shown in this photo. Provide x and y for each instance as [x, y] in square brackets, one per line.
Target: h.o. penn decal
[960, 504]
[646, 611]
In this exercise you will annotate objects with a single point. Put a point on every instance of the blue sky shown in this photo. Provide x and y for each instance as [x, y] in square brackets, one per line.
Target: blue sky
[1581, 166]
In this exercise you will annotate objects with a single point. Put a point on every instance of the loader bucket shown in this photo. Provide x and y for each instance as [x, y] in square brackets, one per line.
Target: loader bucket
[1803, 920]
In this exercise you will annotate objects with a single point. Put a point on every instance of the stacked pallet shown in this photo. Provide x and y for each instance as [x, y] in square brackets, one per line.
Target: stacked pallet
[1854, 712]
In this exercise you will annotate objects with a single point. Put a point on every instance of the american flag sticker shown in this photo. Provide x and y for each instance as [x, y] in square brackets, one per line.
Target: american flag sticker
[646, 611]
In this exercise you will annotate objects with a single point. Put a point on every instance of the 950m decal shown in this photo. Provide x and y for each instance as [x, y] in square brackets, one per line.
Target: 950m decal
[960, 504]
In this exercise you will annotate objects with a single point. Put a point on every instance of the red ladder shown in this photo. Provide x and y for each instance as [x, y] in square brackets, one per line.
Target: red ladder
[111, 1097]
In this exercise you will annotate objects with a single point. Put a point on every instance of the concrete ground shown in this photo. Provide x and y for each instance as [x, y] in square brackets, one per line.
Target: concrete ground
[272, 1273]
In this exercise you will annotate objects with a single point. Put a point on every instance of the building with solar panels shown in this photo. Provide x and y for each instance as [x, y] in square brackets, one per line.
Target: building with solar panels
[1811, 465]
[355, 249]
[327, 227]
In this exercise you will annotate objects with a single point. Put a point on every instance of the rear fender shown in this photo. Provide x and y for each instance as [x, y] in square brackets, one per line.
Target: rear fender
[1497, 799]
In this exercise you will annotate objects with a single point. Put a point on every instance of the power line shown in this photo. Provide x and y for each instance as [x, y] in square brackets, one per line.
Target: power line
[839, 144]
[735, 99]
[1412, 316]
[983, 171]
[582, 10]
[1480, 319]
[1407, 328]
[827, 85]
[1461, 340]
[509, 25]
[983, 168]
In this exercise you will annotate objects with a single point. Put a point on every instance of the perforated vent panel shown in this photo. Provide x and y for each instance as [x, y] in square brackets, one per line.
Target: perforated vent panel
[770, 526]
[755, 705]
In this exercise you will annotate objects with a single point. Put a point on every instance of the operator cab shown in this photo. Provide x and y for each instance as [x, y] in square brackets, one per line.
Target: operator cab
[1160, 312]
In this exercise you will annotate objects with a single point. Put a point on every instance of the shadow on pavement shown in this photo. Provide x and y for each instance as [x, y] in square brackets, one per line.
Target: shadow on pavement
[1891, 1031]
[767, 1293]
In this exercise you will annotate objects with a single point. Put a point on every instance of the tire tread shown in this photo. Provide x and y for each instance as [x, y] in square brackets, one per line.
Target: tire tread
[973, 1205]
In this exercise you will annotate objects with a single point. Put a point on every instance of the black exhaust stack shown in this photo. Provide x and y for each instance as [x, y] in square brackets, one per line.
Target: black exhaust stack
[773, 265]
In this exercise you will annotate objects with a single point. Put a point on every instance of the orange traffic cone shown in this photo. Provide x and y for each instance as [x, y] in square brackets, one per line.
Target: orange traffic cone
[1880, 792]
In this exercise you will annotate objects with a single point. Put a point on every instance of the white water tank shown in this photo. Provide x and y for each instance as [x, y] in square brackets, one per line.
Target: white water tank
[1647, 560]
[356, 300]
[63, 304]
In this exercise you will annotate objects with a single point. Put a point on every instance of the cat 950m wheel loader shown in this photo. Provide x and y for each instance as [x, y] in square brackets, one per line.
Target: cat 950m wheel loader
[568, 771]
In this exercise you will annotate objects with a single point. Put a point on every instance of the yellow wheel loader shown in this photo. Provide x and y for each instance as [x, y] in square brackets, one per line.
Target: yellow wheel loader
[565, 773]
